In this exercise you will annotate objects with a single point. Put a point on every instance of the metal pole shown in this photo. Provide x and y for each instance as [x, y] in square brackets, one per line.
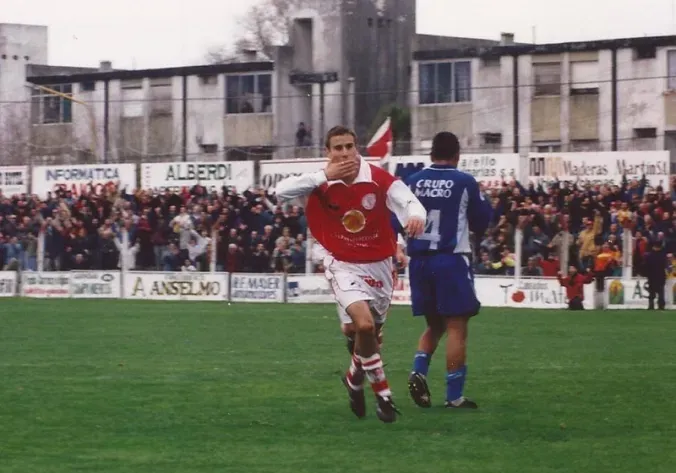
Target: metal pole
[627, 254]
[518, 251]
[320, 135]
[309, 242]
[41, 251]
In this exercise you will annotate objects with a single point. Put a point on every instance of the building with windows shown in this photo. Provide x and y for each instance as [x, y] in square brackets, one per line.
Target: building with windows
[222, 111]
[20, 45]
[581, 96]
[367, 44]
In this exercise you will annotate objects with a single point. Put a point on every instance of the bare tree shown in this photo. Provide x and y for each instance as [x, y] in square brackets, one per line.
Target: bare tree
[266, 25]
[226, 55]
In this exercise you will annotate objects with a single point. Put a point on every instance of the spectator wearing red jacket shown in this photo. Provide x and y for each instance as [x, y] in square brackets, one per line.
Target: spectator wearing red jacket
[574, 284]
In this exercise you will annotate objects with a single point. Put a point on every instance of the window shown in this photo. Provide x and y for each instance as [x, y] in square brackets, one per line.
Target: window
[49, 108]
[248, 93]
[547, 147]
[491, 141]
[584, 77]
[491, 62]
[584, 146]
[671, 69]
[89, 86]
[445, 82]
[644, 139]
[547, 79]
[161, 96]
[209, 148]
[645, 52]
[209, 80]
[642, 133]
[132, 98]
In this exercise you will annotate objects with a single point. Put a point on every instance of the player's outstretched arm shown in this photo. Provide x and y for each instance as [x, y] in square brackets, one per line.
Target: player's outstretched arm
[479, 210]
[294, 187]
[408, 209]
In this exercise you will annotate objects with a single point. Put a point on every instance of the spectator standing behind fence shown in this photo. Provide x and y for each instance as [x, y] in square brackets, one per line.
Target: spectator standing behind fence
[655, 270]
[574, 284]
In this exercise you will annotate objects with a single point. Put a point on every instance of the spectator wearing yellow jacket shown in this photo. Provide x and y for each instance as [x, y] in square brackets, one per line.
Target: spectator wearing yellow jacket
[586, 241]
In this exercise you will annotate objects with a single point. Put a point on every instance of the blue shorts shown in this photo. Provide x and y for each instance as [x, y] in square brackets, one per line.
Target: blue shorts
[442, 284]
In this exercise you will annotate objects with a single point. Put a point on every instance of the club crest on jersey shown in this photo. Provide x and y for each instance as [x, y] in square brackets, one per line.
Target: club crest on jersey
[368, 201]
[354, 221]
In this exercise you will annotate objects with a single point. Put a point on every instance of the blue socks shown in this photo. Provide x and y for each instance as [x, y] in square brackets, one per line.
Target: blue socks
[421, 362]
[455, 383]
[455, 380]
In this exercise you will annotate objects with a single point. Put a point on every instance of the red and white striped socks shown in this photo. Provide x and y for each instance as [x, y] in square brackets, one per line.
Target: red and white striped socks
[373, 368]
[355, 374]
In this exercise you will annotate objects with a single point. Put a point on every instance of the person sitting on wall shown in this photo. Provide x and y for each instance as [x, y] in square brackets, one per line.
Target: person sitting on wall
[574, 284]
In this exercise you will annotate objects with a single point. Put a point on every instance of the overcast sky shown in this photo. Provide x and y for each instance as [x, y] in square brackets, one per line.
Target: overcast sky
[160, 33]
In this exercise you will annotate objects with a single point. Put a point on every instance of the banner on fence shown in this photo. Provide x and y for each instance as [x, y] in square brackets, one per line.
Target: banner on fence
[488, 169]
[271, 172]
[8, 283]
[528, 293]
[505, 292]
[256, 287]
[402, 292]
[600, 168]
[309, 289]
[83, 178]
[160, 177]
[47, 284]
[633, 294]
[13, 180]
[177, 286]
[95, 285]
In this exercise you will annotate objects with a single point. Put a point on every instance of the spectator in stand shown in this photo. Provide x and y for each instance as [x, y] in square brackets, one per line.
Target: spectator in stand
[655, 270]
[533, 269]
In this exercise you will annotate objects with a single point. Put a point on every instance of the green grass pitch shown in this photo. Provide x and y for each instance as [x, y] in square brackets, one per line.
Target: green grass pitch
[126, 387]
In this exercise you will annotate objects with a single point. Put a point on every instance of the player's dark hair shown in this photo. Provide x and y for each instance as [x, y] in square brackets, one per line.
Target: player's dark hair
[445, 147]
[338, 130]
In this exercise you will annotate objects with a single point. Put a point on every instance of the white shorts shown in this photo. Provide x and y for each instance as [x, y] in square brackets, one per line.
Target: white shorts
[353, 282]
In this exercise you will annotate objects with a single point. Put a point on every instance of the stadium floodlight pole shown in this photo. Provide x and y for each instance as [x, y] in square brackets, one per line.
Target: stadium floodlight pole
[88, 107]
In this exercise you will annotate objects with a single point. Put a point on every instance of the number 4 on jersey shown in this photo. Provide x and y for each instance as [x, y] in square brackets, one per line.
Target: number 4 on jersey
[432, 229]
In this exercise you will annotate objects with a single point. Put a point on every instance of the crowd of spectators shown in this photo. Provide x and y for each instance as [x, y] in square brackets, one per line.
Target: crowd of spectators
[177, 231]
[166, 232]
[586, 220]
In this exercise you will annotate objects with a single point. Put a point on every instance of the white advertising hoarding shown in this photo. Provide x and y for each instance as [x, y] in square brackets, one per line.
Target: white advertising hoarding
[541, 293]
[95, 285]
[160, 177]
[271, 172]
[8, 283]
[45, 285]
[83, 178]
[488, 169]
[401, 295]
[633, 294]
[13, 180]
[246, 287]
[308, 289]
[600, 168]
[176, 286]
